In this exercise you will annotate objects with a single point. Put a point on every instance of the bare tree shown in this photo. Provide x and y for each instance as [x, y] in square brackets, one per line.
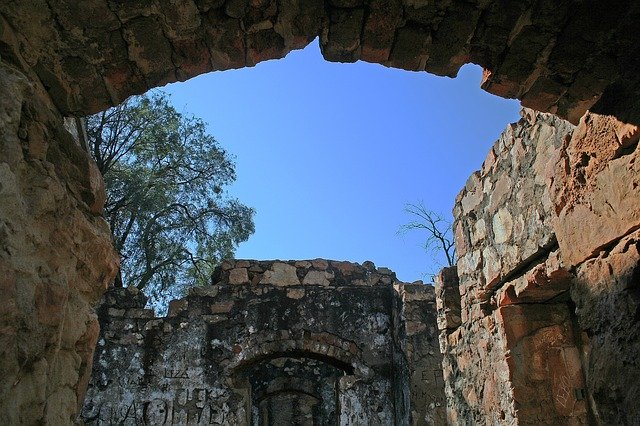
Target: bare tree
[439, 230]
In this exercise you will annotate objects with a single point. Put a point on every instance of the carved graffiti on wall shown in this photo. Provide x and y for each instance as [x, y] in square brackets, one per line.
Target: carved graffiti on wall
[184, 406]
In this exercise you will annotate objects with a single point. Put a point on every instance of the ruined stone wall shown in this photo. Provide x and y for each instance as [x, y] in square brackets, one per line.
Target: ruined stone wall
[547, 254]
[55, 256]
[418, 355]
[298, 342]
[68, 57]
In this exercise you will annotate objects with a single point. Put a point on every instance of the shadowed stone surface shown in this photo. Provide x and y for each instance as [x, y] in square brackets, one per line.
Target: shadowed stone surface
[556, 56]
[360, 348]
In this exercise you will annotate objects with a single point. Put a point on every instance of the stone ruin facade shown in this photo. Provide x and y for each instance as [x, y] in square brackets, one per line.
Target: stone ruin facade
[272, 343]
[542, 325]
[539, 321]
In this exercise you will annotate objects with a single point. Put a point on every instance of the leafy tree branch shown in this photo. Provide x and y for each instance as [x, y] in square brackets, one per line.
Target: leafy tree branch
[171, 218]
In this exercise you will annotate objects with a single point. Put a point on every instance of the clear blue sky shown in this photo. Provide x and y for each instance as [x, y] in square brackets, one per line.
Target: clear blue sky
[328, 154]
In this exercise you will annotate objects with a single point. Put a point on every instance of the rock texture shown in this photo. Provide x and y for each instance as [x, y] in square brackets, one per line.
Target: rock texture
[607, 297]
[266, 344]
[55, 257]
[539, 322]
[546, 230]
[556, 56]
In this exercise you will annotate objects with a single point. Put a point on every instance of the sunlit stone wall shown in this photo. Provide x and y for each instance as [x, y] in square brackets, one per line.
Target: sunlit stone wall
[539, 323]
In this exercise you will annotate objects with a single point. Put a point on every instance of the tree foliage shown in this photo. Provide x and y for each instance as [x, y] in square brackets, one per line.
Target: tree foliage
[439, 232]
[165, 177]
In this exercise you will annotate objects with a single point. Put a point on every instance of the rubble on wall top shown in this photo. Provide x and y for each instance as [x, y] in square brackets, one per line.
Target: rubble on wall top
[319, 272]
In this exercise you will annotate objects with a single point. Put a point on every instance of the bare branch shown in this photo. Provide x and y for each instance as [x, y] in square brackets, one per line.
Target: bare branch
[439, 232]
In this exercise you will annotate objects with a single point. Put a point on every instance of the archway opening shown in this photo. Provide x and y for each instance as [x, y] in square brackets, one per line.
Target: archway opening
[332, 152]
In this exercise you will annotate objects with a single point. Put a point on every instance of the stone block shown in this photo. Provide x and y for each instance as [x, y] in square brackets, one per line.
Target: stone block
[177, 306]
[411, 48]
[317, 278]
[342, 42]
[238, 275]
[222, 307]
[281, 274]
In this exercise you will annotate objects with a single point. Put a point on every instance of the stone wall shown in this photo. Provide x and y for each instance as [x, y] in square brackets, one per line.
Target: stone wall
[55, 257]
[72, 58]
[539, 323]
[271, 342]
[556, 56]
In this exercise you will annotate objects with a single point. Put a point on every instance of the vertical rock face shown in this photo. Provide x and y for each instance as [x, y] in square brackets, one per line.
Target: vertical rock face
[539, 324]
[504, 214]
[55, 257]
[416, 337]
[297, 342]
[607, 297]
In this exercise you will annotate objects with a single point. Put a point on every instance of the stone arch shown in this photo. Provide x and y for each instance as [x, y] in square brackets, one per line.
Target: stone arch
[289, 379]
[94, 55]
[326, 347]
[73, 58]
[286, 385]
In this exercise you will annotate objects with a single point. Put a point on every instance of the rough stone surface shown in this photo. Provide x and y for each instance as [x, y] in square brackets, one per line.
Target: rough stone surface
[560, 57]
[536, 187]
[475, 367]
[607, 297]
[335, 352]
[504, 213]
[597, 182]
[416, 334]
[547, 292]
[55, 257]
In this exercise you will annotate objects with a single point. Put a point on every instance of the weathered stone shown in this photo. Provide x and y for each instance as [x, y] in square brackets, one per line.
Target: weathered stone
[502, 223]
[448, 299]
[222, 307]
[238, 276]
[342, 40]
[597, 181]
[281, 274]
[320, 264]
[301, 341]
[80, 58]
[91, 56]
[515, 282]
[295, 293]
[502, 226]
[607, 297]
[317, 278]
[56, 256]
[377, 37]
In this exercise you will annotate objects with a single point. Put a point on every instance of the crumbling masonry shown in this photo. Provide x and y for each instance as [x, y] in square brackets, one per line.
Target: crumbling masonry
[540, 323]
[299, 342]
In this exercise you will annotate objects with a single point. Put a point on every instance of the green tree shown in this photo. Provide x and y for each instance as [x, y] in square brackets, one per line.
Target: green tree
[439, 232]
[165, 179]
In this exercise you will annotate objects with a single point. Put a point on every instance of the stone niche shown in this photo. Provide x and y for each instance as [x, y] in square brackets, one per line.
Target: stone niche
[272, 343]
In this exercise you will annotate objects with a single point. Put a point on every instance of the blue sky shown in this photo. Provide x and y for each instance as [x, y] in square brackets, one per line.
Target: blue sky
[328, 154]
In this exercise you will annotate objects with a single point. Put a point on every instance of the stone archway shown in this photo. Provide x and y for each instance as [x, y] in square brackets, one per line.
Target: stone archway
[71, 58]
[300, 379]
[555, 57]
[288, 389]
[312, 342]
